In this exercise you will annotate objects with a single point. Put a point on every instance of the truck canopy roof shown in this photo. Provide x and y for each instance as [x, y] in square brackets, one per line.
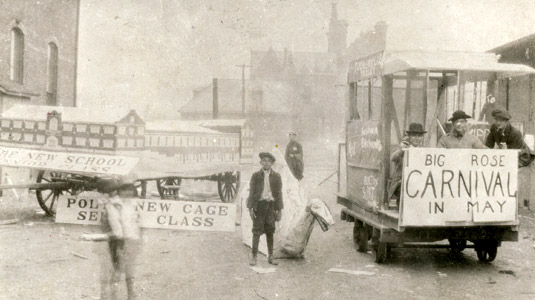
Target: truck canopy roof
[399, 61]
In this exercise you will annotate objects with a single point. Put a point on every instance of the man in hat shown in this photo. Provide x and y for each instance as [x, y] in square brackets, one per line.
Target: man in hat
[265, 204]
[459, 137]
[505, 136]
[414, 138]
[294, 156]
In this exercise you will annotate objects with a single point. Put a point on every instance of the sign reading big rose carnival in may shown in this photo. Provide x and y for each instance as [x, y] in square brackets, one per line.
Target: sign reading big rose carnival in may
[458, 186]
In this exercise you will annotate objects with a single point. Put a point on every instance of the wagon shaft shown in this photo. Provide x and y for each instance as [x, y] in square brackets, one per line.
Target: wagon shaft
[37, 186]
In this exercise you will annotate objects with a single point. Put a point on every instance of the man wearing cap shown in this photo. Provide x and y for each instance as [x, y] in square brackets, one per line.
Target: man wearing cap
[265, 204]
[414, 138]
[505, 136]
[459, 137]
[294, 156]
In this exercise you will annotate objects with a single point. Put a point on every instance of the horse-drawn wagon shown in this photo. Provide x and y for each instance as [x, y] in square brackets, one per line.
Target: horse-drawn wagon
[67, 148]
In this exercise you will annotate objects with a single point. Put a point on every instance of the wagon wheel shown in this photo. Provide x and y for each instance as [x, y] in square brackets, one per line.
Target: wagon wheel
[457, 245]
[360, 236]
[169, 181]
[486, 250]
[228, 185]
[141, 187]
[48, 198]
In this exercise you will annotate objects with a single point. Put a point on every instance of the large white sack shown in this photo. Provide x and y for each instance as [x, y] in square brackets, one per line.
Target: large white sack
[292, 230]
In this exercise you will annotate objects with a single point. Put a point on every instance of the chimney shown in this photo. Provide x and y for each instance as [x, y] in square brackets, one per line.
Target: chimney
[215, 105]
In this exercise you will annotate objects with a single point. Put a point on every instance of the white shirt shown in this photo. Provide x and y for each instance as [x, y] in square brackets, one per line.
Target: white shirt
[266, 193]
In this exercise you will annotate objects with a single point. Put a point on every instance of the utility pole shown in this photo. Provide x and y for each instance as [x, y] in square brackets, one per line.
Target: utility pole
[243, 66]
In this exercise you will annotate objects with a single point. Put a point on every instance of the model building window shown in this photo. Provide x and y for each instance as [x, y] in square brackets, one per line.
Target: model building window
[139, 143]
[81, 127]
[120, 143]
[4, 136]
[67, 140]
[16, 136]
[169, 141]
[41, 125]
[16, 65]
[132, 119]
[29, 125]
[40, 138]
[108, 129]
[28, 137]
[121, 130]
[6, 123]
[94, 129]
[107, 143]
[53, 124]
[131, 143]
[67, 127]
[80, 141]
[131, 130]
[140, 130]
[52, 70]
[154, 141]
[94, 142]
[17, 124]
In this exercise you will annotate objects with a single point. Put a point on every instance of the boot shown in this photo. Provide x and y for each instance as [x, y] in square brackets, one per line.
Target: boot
[256, 240]
[271, 259]
[253, 260]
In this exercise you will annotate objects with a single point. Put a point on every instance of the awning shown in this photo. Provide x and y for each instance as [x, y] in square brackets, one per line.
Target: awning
[399, 61]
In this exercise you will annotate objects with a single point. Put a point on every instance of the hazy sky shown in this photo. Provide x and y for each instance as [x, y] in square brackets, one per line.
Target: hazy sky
[149, 54]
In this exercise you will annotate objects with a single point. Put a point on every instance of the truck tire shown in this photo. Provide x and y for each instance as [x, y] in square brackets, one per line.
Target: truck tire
[360, 236]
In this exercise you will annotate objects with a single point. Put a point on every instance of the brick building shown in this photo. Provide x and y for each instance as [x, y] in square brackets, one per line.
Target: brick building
[38, 52]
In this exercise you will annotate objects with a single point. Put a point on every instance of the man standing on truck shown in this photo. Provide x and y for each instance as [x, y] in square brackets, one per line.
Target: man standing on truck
[294, 156]
[459, 137]
[265, 204]
[505, 136]
[413, 139]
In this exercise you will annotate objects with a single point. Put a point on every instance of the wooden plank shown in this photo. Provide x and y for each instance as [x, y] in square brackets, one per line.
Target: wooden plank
[425, 96]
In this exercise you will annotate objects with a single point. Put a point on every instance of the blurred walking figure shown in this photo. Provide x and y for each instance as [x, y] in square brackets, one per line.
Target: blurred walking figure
[294, 156]
[122, 227]
[265, 204]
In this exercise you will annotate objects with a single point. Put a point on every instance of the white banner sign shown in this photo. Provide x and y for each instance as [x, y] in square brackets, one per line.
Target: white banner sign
[164, 214]
[67, 162]
[443, 187]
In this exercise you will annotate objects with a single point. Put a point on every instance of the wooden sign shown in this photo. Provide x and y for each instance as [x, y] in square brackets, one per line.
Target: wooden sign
[67, 162]
[464, 186]
[366, 67]
[86, 209]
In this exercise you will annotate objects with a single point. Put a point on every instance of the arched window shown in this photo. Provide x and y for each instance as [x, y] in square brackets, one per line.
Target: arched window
[17, 55]
[52, 74]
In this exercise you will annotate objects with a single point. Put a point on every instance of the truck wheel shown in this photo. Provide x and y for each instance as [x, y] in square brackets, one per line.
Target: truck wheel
[380, 252]
[360, 236]
[486, 250]
[457, 245]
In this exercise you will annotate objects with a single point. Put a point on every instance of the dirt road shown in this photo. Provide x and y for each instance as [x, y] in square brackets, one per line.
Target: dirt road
[43, 260]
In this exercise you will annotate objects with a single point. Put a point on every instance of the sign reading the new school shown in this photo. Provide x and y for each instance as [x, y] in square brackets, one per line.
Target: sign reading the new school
[164, 214]
[65, 161]
[443, 187]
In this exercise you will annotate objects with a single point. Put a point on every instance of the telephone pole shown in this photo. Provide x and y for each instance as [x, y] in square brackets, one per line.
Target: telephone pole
[243, 66]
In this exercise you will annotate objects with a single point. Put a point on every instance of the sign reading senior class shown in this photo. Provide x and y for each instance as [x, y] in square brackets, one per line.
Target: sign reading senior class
[447, 186]
[164, 214]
